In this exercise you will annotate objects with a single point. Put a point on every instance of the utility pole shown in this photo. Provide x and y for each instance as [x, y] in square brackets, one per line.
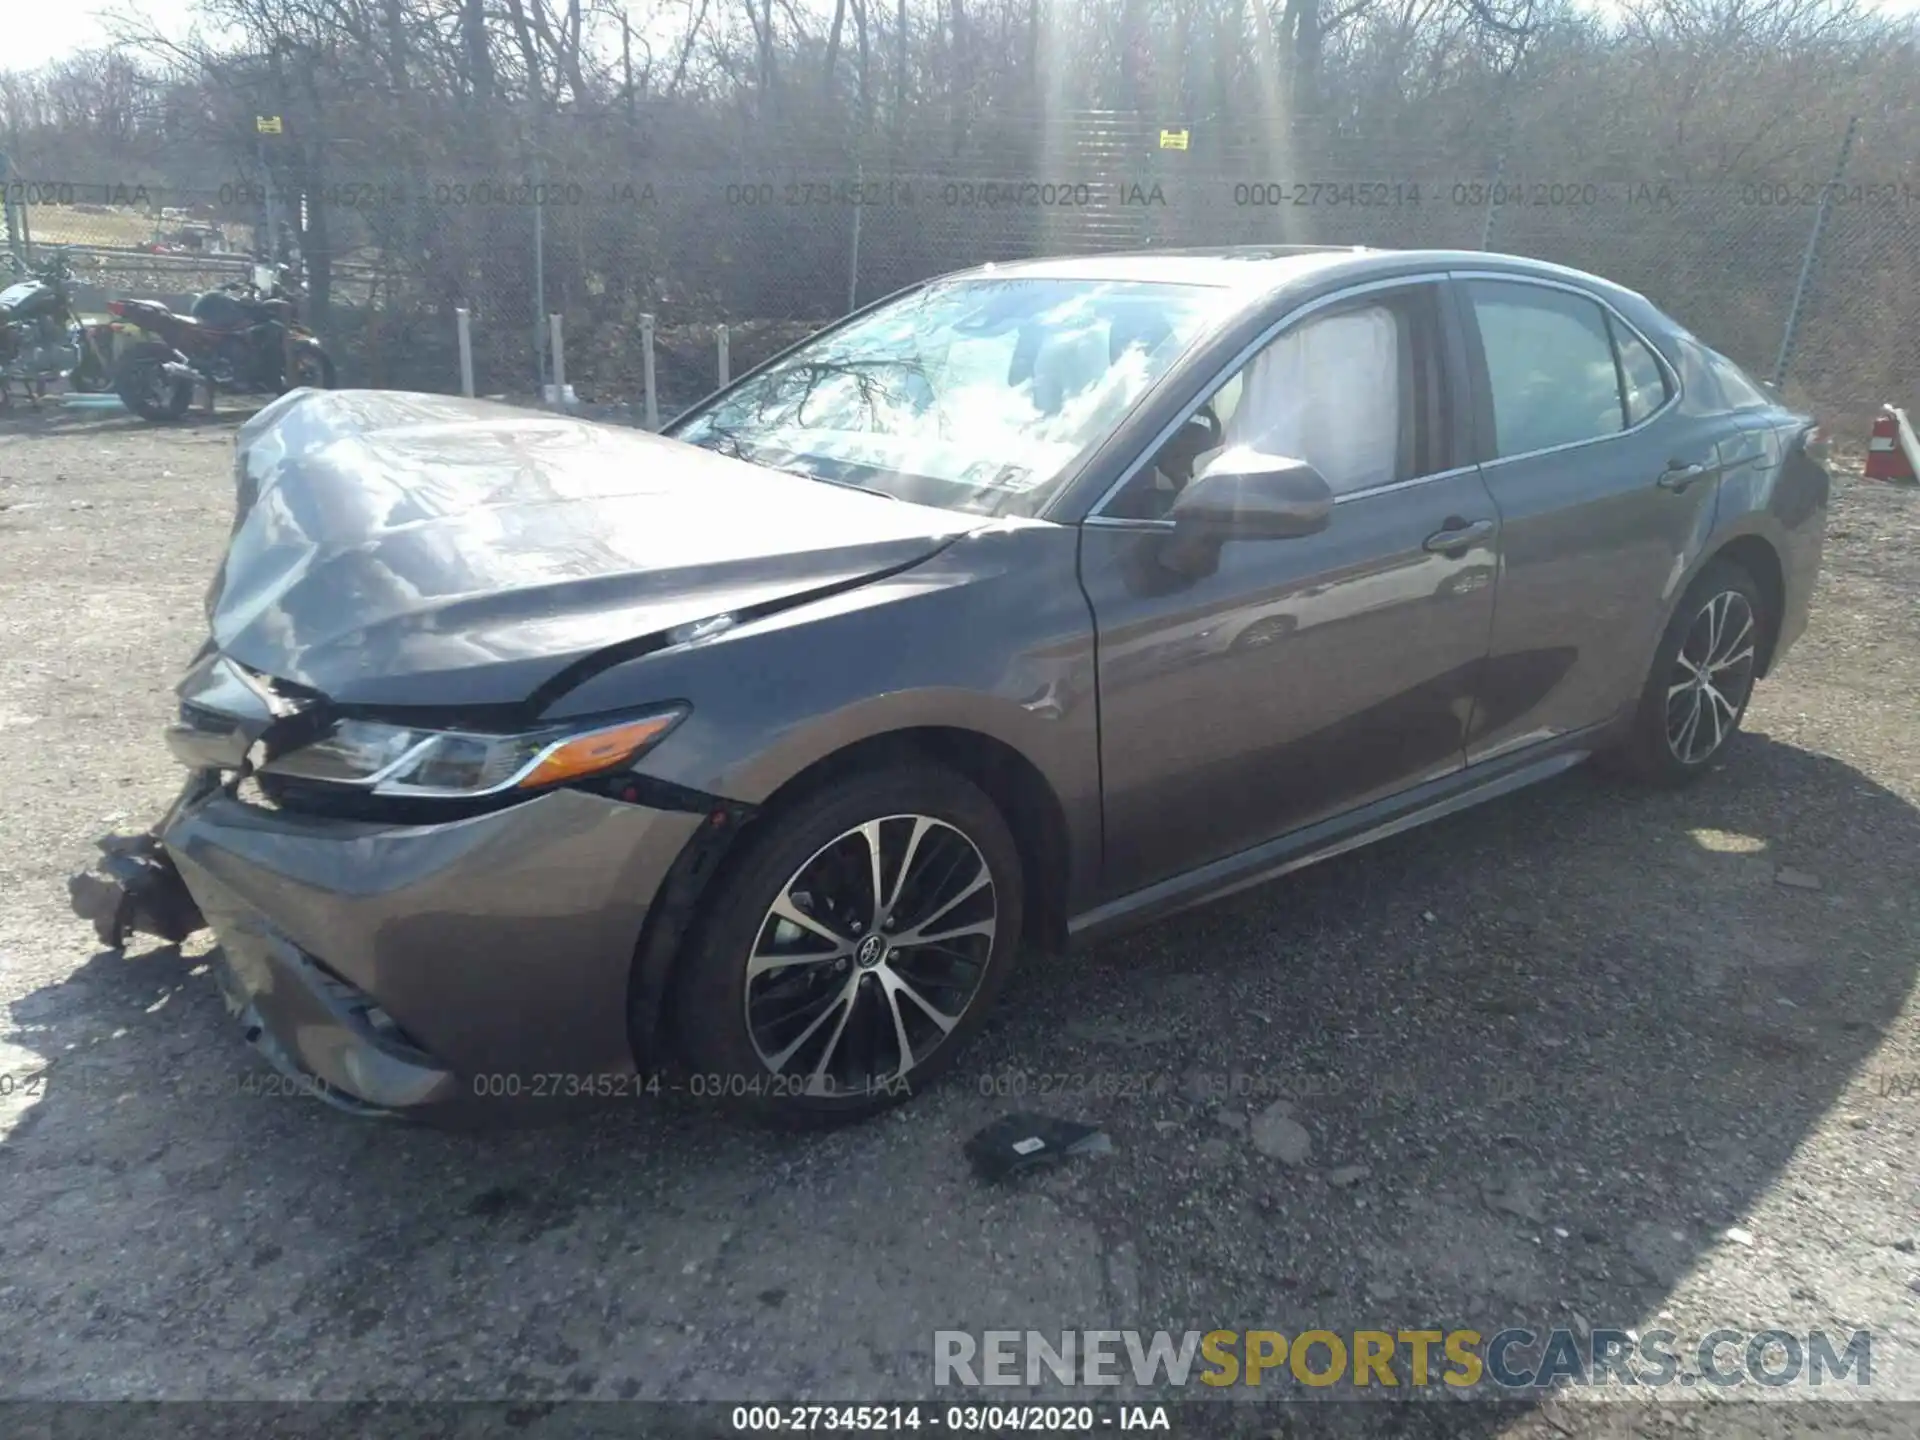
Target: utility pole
[1791, 331]
[626, 64]
[263, 126]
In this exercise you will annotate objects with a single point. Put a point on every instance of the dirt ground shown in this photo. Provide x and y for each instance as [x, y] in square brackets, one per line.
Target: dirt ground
[1584, 1056]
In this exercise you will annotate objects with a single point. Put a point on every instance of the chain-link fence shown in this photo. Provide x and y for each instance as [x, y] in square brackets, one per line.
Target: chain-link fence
[775, 244]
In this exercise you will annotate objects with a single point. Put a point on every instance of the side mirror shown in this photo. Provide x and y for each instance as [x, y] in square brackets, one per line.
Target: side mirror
[1244, 494]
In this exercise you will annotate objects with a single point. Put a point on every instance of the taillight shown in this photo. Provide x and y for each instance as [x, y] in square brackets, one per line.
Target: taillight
[1813, 441]
[117, 307]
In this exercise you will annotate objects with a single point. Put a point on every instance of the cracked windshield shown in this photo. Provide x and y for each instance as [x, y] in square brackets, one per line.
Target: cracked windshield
[978, 395]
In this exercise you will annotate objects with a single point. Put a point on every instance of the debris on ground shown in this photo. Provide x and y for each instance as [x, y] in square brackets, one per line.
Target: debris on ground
[1516, 1197]
[1279, 1136]
[1014, 1144]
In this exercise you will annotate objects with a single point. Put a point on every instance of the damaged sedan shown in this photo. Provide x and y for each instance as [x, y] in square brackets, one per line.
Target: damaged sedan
[528, 756]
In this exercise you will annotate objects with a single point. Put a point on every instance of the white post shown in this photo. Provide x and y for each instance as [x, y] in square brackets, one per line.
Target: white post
[559, 362]
[646, 369]
[725, 367]
[853, 254]
[463, 322]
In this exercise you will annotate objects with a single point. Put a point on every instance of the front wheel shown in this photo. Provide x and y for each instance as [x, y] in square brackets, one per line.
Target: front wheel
[1703, 676]
[145, 387]
[853, 947]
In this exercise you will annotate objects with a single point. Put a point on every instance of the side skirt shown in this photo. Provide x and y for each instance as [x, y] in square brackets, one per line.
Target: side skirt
[1313, 843]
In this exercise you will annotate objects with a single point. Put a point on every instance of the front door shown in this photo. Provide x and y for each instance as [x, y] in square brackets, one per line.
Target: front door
[1309, 675]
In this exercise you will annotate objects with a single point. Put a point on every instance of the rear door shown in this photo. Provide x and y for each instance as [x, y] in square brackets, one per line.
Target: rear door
[1604, 464]
[1303, 676]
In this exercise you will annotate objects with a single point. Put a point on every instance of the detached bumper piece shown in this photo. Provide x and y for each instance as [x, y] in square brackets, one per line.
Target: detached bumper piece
[134, 888]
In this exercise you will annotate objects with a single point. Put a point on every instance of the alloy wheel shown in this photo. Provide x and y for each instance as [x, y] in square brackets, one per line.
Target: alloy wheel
[1712, 678]
[870, 955]
[158, 389]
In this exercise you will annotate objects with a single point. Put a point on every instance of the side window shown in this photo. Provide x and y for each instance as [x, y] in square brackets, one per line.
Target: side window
[1646, 380]
[1352, 391]
[1550, 366]
[1227, 398]
[1331, 392]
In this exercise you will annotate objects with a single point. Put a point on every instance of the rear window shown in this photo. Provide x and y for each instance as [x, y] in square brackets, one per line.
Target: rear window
[1711, 384]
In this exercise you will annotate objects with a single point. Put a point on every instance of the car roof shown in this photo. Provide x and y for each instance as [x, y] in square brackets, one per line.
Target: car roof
[1254, 267]
[1262, 269]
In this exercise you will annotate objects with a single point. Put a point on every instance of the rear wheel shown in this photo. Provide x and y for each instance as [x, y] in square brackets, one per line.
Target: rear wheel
[311, 366]
[1703, 676]
[90, 376]
[146, 388]
[852, 949]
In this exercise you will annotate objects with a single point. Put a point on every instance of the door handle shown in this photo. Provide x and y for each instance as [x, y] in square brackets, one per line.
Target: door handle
[1458, 535]
[1679, 475]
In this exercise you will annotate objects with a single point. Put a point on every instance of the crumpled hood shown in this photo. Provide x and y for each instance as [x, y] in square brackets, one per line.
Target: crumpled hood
[403, 549]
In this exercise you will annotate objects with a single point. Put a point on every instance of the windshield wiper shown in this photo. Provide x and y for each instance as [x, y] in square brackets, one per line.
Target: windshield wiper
[741, 451]
[847, 485]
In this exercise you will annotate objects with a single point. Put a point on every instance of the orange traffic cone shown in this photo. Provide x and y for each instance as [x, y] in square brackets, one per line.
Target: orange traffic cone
[1888, 458]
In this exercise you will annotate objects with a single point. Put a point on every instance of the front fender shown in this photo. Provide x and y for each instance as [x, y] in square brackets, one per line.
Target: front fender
[991, 636]
[1030, 727]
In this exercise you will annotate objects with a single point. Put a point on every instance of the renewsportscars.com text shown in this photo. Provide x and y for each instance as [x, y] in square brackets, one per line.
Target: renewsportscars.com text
[1512, 1359]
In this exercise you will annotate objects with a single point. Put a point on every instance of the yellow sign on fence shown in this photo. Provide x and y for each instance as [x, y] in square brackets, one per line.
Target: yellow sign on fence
[1173, 139]
[267, 124]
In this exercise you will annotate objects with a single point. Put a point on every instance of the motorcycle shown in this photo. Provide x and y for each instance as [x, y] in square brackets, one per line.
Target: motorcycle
[245, 338]
[42, 339]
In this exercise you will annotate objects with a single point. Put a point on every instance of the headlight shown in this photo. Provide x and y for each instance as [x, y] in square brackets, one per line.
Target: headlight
[459, 764]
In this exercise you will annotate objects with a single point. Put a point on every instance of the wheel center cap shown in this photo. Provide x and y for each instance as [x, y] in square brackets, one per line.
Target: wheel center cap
[871, 951]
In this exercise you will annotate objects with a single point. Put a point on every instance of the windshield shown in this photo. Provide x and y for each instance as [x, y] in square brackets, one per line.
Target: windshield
[974, 395]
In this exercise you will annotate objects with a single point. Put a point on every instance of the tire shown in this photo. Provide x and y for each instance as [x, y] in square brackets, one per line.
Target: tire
[145, 391]
[310, 366]
[834, 1024]
[1661, 749]
[89, 378]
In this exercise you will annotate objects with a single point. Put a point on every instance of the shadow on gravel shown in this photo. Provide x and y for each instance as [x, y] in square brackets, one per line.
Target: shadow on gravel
[1577, 1034]
[1573, 1036]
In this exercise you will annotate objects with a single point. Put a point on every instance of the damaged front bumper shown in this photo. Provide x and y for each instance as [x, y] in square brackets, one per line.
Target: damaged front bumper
[476, 967]
[133, 888]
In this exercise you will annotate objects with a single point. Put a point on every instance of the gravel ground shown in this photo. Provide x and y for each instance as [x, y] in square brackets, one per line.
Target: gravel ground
[1584, 1056]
